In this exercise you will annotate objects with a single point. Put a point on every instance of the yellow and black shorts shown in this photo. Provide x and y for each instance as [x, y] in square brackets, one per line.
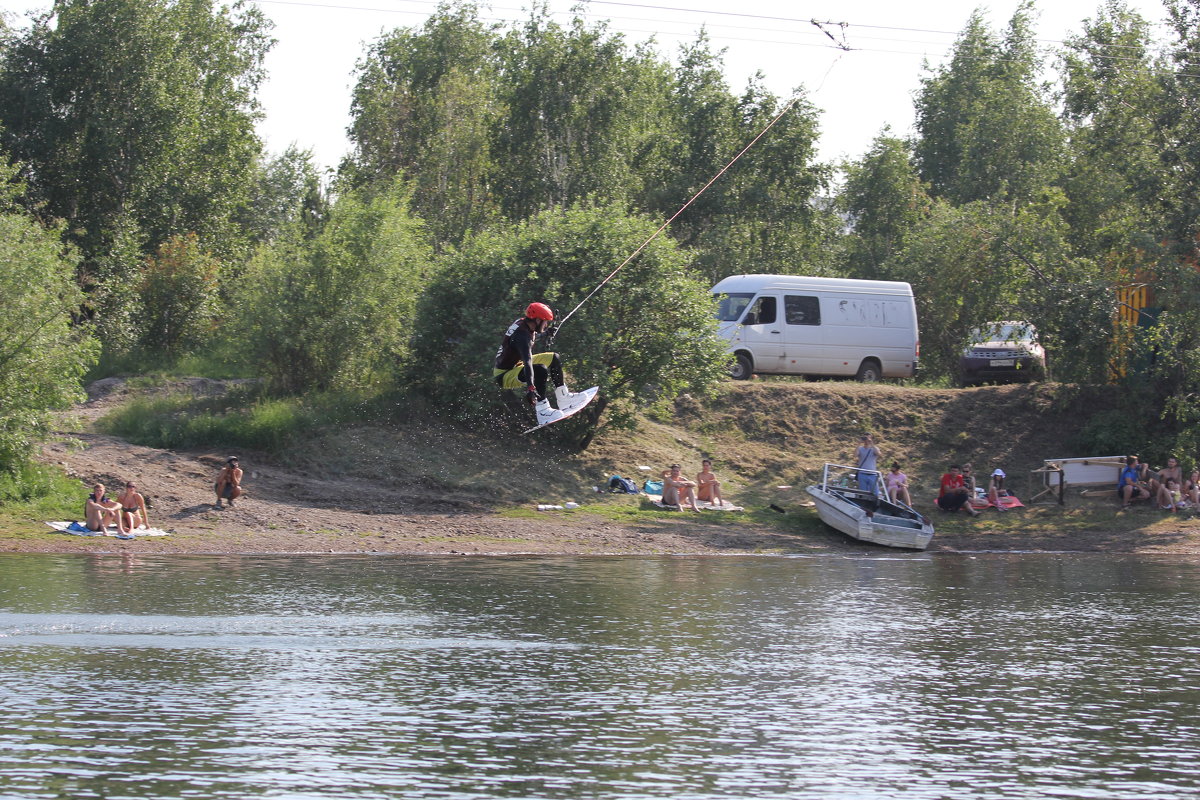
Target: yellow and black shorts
[510, 378]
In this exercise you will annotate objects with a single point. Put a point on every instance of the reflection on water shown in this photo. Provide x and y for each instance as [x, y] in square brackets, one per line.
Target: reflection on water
[384, 677]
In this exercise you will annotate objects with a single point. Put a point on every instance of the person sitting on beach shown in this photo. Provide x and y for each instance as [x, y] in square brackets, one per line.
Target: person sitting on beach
[1129, 487]
[677, 489]
[897, 486]
[708, 488]
[996, 489]
[953, 492]
[968, 476]
[133, 508]
[1170, 496]
[99, 511]
[1172, 471]
[1191, 488]
[229, 482]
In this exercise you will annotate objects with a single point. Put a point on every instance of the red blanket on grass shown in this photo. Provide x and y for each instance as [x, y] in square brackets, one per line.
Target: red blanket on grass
[1008, 501]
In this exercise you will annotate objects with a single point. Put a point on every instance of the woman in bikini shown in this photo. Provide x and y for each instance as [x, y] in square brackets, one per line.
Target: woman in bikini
[133, 508]
[708, 488]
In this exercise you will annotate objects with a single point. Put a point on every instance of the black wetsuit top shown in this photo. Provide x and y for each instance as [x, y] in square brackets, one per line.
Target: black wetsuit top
[517, 346]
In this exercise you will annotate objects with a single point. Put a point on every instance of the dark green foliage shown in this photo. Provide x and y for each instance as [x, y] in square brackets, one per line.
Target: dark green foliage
[136, 109]
[334, 309]
[43, 355]
[647, 336]
[987, 131]
[884, 200]
[489, 124]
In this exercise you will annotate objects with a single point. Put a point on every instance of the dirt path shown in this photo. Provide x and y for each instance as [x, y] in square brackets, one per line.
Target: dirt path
[293, 511]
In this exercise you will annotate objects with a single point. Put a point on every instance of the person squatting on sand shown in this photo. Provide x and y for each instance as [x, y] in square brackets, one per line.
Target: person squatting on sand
[678, 490]
[99, 511]
[708, 488]
[513, 368]
[229, 482]
[1191, 488]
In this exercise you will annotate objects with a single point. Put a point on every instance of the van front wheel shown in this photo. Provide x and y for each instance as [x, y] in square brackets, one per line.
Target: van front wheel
[869, 371]
[742, 368]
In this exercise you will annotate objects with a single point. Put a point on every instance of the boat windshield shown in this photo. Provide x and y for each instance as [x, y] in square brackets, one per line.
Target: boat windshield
[732, 305]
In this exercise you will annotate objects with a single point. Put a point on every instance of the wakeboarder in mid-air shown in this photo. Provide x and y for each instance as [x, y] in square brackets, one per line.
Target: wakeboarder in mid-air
[517, 367]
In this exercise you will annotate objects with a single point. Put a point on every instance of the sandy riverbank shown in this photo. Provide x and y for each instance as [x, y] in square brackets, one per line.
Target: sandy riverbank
[303, 508]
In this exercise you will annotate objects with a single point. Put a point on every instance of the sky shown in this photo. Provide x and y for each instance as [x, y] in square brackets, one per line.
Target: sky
[860, 65]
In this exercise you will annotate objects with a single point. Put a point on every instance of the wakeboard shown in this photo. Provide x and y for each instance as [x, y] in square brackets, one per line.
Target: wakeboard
[585, 397]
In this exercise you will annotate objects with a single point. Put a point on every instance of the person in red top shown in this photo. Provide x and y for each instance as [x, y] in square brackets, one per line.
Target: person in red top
[953, 495]
[518, 367]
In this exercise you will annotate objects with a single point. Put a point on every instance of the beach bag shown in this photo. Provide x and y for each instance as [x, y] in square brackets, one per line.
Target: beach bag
[619, 485]
[653, 487]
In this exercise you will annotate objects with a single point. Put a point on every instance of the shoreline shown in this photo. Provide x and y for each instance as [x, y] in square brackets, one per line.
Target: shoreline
[236, 532]
[311, 505]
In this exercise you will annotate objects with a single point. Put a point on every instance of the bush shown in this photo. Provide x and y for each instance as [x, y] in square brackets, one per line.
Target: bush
[43, 354]
[335, 311]
[648, 335]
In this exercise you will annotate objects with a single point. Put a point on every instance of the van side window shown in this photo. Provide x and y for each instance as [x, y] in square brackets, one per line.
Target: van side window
[801, 310]
[762, 312]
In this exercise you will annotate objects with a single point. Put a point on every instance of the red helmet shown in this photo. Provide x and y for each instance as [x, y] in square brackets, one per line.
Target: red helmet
[539, 311]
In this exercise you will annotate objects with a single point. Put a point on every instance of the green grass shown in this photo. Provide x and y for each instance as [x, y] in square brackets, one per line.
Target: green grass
[240, 418]
[38, 491]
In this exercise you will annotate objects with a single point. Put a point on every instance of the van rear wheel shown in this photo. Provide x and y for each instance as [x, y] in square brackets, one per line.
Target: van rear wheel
[742, 368]
[869, 371]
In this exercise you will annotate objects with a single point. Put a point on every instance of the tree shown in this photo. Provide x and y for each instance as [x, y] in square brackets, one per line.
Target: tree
[336, 309]
[1115, 178]
[1179, 121]
[986, 129]
[288, 193]
[134, 120]
[764, 211]
[425, 107]
[884, 199]
[43, 354]
[177, 294]
[647, 336]
[979, 263]
[575, 103]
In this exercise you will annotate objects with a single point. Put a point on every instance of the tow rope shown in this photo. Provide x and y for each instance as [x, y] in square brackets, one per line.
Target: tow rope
[674, 216]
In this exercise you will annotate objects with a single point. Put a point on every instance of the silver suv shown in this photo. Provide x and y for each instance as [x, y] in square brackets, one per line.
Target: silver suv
[1002, 352]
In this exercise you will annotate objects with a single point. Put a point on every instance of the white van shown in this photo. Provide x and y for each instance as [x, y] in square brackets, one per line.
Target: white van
[793, 325]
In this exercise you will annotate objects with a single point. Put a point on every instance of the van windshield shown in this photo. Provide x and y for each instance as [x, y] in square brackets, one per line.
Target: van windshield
[732, 306]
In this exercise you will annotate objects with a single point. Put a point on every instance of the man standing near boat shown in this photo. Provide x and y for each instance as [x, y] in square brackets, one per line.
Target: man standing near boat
[866, 456]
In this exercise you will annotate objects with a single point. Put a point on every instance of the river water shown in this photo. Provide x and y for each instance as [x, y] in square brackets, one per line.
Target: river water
[877, 676]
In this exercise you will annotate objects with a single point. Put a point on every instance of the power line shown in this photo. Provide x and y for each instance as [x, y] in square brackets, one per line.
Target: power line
[820, 32]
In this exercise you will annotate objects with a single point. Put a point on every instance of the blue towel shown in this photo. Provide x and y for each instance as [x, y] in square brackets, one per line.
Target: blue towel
[76, 527]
